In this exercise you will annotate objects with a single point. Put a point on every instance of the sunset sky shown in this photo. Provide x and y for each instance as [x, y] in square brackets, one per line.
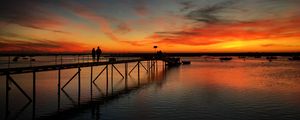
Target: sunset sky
[125, 26]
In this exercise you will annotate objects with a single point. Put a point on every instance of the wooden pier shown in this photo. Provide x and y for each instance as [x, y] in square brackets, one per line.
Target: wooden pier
[109, 65]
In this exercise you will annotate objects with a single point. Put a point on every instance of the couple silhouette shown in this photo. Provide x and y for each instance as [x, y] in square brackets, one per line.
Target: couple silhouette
[96, 53]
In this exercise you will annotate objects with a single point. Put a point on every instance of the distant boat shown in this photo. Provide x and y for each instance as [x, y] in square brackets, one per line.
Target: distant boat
[16, 58]
[242, 57]
[173, 61]
[185, 62]
[225, 58]
[270, 58]
[294, 58]
[112, 60]
[257, 56]
[25, 58]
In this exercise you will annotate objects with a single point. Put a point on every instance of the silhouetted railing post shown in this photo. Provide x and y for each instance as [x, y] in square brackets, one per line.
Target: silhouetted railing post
[55, 60]
[78, 58]
[8, 65]
[82, 58]
[30, 61]
[61, 60]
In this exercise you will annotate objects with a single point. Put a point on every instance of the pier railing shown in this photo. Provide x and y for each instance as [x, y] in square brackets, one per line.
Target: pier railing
[35, 61]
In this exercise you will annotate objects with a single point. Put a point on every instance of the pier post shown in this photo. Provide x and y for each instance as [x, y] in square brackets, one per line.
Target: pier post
[138, 73]
[33, 94]
[91, 84]
[7, 98]
[58, 90]
[156, 64]
[79, 90]
[148, 66]
[106, 80]
[126, 75]
[112, 78]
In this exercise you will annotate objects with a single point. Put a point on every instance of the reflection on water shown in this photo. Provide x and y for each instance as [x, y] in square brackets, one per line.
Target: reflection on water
[206, 89]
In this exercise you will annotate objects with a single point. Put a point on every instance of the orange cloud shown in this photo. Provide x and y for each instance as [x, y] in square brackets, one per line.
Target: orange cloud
[84, 12]
[218, 33]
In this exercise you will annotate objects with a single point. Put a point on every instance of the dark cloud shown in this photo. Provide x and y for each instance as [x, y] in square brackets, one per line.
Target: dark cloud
[186, 5]
[123, 28]
[29, 13]
[178, 33]
[39, 46]
[210, 14]
[141, 8]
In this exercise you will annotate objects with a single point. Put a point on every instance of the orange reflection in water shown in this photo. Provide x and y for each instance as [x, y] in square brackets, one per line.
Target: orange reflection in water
[240, 75]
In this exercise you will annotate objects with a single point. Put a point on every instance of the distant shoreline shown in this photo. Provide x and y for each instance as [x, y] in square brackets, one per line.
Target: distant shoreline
[168, 54]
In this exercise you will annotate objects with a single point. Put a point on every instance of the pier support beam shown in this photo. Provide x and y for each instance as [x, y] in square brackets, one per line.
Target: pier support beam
[106, 80]
[114, 67]
[112, 78]
[33, 94]
[10, 79]
[71, 79]
[79, 86]
[91, 84]
[126, 76]
[105, 68]
[138, 65]
[78, 94]
[7, 98]
[138, 73]
[58, 90]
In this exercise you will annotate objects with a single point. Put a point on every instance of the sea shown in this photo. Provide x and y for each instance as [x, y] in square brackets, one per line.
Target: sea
[207, 89]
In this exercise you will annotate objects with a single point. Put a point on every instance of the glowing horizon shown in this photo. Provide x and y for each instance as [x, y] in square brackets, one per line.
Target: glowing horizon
[136, 26]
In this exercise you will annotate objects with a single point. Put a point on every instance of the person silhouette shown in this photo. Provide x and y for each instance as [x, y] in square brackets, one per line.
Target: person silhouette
[94, 54]
[98, 53]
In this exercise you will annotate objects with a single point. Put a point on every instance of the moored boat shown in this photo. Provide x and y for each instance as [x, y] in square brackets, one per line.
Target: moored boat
[271, 58]
[185, 62]
[173, 61]
[294, 58]
[225, 58]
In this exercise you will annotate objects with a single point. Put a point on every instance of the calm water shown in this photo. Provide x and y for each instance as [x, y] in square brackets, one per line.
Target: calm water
[206, 89]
